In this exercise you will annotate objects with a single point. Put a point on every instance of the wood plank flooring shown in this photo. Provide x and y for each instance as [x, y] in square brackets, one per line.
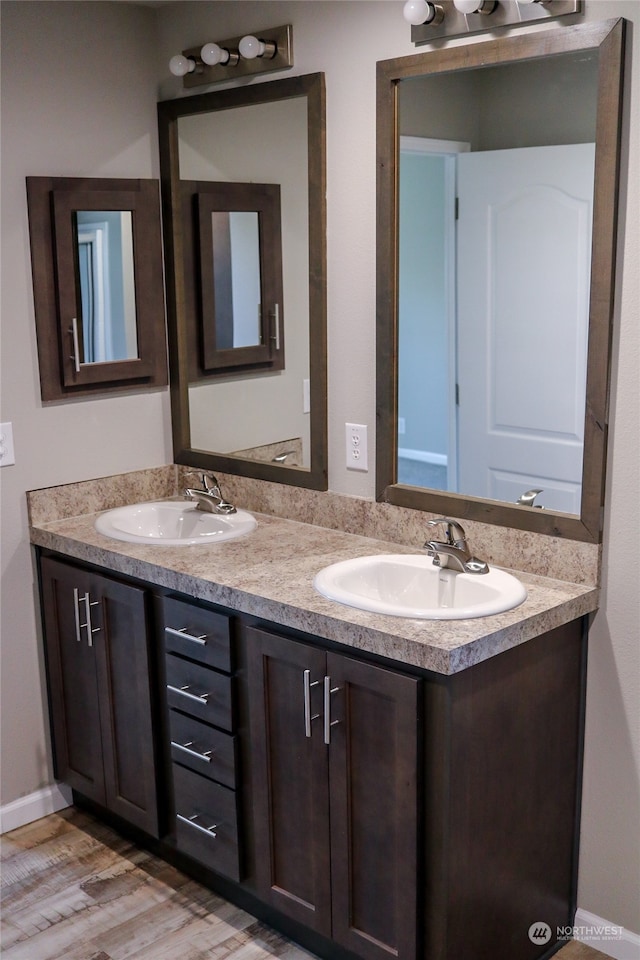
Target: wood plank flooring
[73, 889]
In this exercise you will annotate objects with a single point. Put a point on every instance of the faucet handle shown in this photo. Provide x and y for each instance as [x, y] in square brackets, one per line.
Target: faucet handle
[454, 530]
[526, 499]
[209, 482]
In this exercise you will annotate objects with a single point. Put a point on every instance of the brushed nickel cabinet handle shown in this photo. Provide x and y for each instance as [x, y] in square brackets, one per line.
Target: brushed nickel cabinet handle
[90, 628]
[276, 325]
[190, 823]
[186, 748]
[307, 702]
[184, 692]
[328, 722]
[76, 344]
[76, 613]
[182, 632]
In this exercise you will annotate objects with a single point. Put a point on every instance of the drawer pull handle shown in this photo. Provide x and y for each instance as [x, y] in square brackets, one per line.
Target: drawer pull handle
[182, 632]
[186, 747]
[184, 692]
[190, 821]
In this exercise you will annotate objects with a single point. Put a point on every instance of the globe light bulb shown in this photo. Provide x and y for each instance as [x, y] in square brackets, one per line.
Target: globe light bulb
[250, 47]
[418, 11]
[180, 66]
[212, 54]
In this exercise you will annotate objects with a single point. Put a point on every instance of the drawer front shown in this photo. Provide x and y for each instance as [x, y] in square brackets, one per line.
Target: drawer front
[206, 822]
[197, 633]
[203, 749]
[199, 691]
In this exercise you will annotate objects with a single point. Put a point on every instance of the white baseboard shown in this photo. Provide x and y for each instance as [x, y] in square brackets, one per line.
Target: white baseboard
[609, 938]
[35, 805]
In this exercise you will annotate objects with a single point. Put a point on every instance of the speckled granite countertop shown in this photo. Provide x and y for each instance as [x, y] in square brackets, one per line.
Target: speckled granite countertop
[269, 574]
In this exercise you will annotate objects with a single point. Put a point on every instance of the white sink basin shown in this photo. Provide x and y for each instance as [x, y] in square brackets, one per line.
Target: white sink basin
[172, 523]
[412, 586]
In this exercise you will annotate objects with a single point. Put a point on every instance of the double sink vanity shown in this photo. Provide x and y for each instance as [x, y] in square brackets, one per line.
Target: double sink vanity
[372, 785]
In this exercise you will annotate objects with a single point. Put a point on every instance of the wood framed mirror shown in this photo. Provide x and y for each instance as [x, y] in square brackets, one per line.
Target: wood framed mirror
[264, 418]
[96, 254]
[469, 102]
[233, 277]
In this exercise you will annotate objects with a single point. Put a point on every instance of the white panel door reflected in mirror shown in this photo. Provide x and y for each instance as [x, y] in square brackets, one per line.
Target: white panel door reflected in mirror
[107, 290]
[496, 181]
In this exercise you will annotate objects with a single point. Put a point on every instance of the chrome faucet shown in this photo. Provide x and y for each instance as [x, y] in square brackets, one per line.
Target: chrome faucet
[454, 552]
[209, 498]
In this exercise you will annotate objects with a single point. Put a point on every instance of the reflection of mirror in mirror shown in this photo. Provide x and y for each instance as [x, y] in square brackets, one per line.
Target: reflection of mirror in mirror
[239, 144]
[104, 241]
[496, 176]
[236, 270]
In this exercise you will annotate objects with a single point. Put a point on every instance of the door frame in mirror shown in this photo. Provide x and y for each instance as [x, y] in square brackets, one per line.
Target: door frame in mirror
[312, 87]
[607, 38]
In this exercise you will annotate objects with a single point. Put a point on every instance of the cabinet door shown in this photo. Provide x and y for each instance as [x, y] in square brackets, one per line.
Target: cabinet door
[99, 690]
[124, 679]
[73, 687]
[290, 779]
[373, 729]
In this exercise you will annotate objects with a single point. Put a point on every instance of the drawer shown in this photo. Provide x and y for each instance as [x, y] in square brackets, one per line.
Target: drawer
[203, 749]
[196, 633]
[199, 691]
[206, 822]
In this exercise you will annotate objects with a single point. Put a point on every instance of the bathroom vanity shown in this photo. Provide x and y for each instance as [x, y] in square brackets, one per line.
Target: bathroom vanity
[370, 785]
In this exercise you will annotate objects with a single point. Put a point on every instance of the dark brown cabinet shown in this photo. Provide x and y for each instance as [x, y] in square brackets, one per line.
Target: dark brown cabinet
[334, 759]
[367, 811]
[99, 677]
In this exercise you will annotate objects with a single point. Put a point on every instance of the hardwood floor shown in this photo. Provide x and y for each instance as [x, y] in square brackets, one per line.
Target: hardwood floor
[73, 889]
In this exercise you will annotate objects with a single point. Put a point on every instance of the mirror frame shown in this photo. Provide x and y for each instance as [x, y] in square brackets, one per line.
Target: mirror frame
[51, 202]
[201, 199]
[607, 38]
[312, 87]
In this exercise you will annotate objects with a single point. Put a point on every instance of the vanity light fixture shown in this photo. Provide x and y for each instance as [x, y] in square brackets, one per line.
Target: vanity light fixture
[250, 54]
[452, 18]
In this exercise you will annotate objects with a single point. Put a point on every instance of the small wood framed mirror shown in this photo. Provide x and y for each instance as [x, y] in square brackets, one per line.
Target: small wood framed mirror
[96, 256]
[233, 267]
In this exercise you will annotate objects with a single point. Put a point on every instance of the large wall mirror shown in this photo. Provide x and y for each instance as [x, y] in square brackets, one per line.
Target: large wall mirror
[497, 193]
[239, 403]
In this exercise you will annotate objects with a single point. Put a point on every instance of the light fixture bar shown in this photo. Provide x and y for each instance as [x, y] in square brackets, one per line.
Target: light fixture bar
[238, 66]
[504, 13]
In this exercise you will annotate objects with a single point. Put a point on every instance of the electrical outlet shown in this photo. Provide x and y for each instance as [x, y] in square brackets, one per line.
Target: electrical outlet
[401, 425]
[357, 451]
[7, 453]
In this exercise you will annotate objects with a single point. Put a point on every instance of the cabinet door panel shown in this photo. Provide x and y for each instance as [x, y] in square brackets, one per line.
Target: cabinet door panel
[290, 779]
[372, 768]
[73, 689]
[124, 671]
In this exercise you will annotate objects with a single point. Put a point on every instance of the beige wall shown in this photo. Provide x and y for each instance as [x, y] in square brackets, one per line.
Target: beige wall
[71, 122]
